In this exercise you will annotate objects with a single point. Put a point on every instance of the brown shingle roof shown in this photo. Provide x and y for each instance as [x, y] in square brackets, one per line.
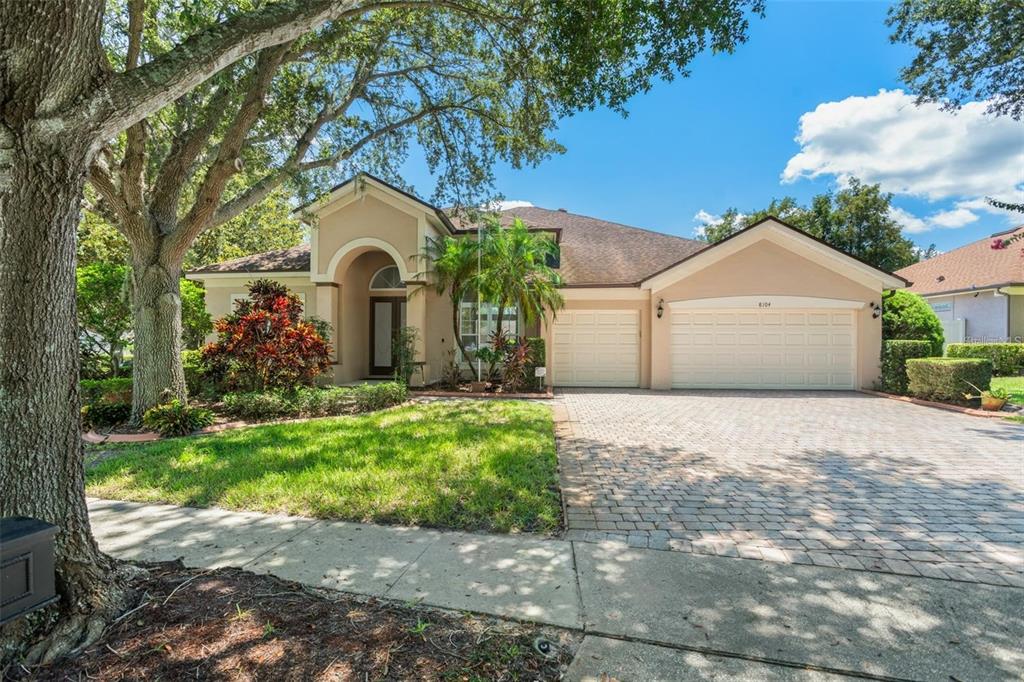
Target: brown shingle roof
[594, 252]
[601, 253]
[295, 259]
[974, 266]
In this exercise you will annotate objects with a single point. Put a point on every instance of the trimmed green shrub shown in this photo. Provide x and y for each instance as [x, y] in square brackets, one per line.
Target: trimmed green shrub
[197, 380]
[117, 390]
[895, 354]
[259, 405]
[907, 316]
[176, 418]
[948, 379]
[370, 397]
[1007, 358]
[314, 402]
[102, 414]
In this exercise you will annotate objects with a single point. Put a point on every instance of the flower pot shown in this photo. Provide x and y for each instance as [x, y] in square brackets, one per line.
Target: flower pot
[477, 386]
[992, 404]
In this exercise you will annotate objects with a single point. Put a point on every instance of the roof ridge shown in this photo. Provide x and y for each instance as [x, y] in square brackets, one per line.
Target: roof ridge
[609, 222]
[976, 242]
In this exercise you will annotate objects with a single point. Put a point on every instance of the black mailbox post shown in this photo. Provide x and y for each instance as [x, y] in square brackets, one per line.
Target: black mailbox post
[26, 566]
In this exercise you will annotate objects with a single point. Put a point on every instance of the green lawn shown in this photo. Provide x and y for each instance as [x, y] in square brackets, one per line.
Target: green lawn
[1015, 385]
[474, 465]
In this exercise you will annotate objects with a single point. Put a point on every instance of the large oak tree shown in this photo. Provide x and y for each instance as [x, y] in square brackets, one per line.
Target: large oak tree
[69, 111]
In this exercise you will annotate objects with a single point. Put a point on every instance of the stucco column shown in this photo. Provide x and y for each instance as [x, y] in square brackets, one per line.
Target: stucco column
[660, 345]
[327, 310]
[416, 317]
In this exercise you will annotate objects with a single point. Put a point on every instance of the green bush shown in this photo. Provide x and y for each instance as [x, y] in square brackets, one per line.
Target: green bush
[176, 419]
[907, 316]
[895, 354]
[104, 414]
[1007, 358]
[259, 405]
[314, 402]
[370, 397]
[197, 380]
[117, 390]
[948, 379]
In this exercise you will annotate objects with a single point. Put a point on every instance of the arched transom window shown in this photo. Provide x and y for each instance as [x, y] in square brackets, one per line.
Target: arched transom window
[387, 277]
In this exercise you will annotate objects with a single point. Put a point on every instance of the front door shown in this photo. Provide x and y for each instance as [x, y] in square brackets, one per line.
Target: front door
[387, 316]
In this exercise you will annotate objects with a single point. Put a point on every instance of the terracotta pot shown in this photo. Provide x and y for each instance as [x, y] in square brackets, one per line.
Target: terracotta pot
[477, 386]
[992, 404]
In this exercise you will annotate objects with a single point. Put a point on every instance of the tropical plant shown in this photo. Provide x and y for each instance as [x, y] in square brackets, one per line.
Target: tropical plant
[453, 266]
[518, 360]
[516, 271]
[176, 418]
[265, 343]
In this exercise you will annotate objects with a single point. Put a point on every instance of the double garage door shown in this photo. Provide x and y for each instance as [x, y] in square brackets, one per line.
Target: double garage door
[783, 349]
[727, 348]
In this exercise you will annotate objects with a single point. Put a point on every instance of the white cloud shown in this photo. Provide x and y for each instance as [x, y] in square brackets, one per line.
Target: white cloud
[512, 203]
[907, 220]
[914, 150]
[957, 217]
[705, 218]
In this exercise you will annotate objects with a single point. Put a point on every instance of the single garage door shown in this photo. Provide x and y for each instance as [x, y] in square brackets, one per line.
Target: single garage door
[596, 348]
[783, 349]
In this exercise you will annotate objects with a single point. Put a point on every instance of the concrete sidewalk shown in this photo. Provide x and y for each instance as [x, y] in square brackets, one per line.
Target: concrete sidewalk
[648, 615]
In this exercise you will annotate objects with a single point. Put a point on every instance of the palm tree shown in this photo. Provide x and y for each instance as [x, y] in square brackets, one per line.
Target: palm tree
[454, 268]
[516, 270]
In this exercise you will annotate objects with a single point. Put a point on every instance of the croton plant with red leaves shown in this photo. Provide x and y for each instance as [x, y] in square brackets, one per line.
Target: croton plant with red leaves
[265, 343]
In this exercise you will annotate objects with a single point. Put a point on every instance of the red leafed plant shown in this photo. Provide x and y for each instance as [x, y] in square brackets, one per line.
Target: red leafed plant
[264, 343]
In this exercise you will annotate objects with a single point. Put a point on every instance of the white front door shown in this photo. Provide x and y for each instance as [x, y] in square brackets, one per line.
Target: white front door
[596, 348]
[775, 349]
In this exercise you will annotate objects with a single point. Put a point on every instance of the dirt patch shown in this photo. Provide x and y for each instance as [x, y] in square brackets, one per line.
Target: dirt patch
[229, 624]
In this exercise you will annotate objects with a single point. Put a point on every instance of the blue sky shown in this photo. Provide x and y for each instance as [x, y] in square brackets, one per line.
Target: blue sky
[725, 136]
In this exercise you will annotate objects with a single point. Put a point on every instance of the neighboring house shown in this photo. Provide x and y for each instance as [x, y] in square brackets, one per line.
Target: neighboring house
[769, 307]
[977, 291]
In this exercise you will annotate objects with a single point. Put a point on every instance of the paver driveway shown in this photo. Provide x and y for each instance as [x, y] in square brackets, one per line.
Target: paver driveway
[836, 479]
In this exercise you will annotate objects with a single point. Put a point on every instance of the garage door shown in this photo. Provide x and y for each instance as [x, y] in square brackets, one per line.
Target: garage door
[784, 349]
[596, 348]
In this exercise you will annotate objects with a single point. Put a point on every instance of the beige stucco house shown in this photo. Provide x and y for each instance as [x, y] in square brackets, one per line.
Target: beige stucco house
[769, 307]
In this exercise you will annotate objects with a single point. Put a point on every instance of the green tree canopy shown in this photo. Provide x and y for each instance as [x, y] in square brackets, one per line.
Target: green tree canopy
[857, 219]
[966, 50]
[104, 317]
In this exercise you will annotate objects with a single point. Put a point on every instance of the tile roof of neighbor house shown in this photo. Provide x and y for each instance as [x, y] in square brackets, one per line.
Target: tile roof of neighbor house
[594, 252]
[973, 266]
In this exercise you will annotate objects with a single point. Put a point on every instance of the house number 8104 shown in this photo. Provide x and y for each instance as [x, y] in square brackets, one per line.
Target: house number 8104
[764, 304]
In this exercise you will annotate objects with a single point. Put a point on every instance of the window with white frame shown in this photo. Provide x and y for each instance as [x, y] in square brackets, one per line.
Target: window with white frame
[387, 277]
[487, 324]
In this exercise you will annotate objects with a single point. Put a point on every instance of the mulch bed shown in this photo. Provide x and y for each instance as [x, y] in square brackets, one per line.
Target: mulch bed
[230, 624]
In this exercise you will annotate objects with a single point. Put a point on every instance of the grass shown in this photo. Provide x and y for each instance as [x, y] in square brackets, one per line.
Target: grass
[472, 465]
[1015, 385]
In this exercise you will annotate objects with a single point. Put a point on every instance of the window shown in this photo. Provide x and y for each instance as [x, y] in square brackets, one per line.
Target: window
[488, 321]
[387, 277]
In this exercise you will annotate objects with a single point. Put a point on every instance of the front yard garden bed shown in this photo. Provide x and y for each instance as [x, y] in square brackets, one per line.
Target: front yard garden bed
[469, 465]
[230, 624]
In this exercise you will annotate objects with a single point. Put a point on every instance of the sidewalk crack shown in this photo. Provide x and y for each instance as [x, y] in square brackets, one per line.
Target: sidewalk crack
[410, 565]
[287, 539]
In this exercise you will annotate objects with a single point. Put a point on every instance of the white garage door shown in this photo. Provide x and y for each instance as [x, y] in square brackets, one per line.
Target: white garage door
[784, 349]
[596, 348]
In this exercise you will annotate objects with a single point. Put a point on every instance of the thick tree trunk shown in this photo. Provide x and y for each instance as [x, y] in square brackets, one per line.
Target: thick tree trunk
[41, 467]
[156, 309]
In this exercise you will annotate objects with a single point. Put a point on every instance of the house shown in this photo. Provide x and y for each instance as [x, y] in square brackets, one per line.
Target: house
[769, 307]
[977, 291]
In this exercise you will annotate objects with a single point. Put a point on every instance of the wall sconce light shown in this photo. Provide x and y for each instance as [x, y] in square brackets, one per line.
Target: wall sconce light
[877, 312]
[661, 308]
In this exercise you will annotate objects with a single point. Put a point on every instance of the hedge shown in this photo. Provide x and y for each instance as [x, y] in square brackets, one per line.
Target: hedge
[314, 402]
[117, 390]
[1007, 358]
[538, 358]
[907, 316]
[895, 354]
[948, 379]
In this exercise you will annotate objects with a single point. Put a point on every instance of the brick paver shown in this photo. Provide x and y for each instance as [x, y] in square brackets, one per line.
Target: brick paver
[832, 479]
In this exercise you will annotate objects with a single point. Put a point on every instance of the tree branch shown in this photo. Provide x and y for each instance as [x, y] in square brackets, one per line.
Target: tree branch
[103, 183]
[133, 166]
[129, 97]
